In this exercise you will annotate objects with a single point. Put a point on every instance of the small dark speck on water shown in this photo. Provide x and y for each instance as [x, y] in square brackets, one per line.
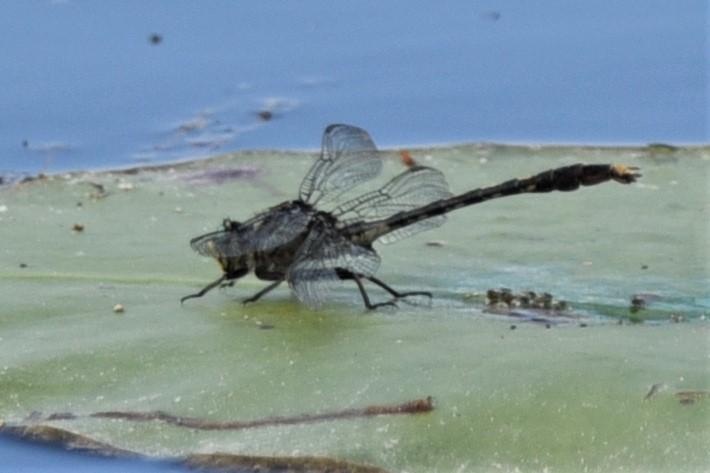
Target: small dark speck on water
[23, 265]
[513, 327]
[155, 39]
[265, 115]
[491, 15]
[25, 144]
[644, 266]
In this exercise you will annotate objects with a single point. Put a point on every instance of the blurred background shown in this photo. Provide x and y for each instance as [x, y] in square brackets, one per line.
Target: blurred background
[88, 84]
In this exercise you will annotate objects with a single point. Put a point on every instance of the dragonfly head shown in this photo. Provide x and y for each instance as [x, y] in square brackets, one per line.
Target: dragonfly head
[231, 225]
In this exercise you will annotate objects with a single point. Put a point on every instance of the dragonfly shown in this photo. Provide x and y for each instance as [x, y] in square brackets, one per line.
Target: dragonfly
[323, 238]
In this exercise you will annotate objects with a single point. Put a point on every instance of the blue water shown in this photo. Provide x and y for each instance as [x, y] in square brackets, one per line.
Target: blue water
[83, 87]
[20, 457]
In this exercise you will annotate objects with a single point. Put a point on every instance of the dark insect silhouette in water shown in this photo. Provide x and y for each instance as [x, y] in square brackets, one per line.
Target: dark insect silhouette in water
[300, 242]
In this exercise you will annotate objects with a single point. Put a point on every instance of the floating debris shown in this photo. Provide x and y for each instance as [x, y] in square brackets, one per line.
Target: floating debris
[23, 265]
[436, 243]
[211, 140]
[220, 176]
[655, 389]
[265, 115]
[155, 39]
[527, 305]
[77, 227]
[98, 192]
[199, 122]
[491, 15]
[119, 309]
[504, 297]
[687, 398]
[274, 107]
[48, 148]
[263, 326]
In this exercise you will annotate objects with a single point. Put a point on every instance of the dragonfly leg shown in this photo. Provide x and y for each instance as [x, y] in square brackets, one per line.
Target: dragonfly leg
[225, 285]
[205, 289]
[347, 274]
[259, 294]
[395, 293]
[365, 298]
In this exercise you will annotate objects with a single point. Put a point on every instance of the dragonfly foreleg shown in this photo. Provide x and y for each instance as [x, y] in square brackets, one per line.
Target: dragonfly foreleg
[205, 289]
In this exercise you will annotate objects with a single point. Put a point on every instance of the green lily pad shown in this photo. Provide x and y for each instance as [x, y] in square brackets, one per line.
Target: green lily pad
[565, 398]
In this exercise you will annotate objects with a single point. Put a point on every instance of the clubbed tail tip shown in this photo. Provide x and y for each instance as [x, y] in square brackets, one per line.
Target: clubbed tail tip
[625, 174]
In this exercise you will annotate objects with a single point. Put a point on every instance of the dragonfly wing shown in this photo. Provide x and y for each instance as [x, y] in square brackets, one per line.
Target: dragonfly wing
[265, 231]
[219, 244]
[315, 269]
[348, 158]
[278, 227]
[411, 189]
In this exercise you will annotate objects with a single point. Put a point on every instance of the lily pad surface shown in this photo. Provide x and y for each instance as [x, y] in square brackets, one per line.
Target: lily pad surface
[93, 266]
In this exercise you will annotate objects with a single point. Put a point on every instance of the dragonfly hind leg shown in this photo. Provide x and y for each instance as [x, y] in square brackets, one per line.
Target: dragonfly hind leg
[365, 298]
[395, 293]
[346, 274]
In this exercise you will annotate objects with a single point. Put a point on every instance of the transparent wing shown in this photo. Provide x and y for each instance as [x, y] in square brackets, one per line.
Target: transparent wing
[348, 158]
[265, 231]
[218, 244]
[315, 268]
[276, 227]
[413, 188]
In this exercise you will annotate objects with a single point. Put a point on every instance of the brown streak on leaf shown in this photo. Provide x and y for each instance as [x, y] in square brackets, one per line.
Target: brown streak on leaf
[412, 407]
[244, 463]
